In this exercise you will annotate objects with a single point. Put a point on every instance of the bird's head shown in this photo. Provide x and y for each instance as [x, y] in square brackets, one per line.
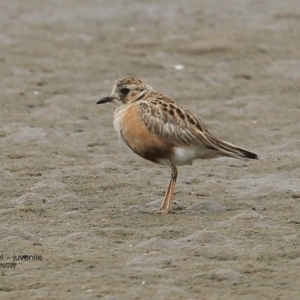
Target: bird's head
[127, 90]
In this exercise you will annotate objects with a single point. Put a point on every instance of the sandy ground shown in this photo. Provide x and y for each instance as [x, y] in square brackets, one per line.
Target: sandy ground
[75, 201]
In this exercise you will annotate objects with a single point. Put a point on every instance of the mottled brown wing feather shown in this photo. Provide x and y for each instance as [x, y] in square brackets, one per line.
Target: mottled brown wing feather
[172, 123]
[179, 127]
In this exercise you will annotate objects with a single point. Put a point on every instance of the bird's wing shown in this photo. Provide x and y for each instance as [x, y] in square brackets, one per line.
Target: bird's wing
[179, 127]
[172, 123]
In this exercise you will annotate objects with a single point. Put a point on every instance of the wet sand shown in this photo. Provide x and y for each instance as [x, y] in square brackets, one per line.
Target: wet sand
[75, 196]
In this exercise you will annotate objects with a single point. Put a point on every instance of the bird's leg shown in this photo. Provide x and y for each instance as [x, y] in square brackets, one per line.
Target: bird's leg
[166, 205]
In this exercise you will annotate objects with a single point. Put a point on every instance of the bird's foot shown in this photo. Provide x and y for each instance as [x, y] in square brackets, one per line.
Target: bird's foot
[163, 210]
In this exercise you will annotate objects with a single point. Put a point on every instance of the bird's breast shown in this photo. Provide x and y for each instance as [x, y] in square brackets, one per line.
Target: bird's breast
[118, 116]
[131, 128]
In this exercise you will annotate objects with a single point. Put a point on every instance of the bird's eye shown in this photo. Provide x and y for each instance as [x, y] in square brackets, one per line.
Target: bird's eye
[124, 91]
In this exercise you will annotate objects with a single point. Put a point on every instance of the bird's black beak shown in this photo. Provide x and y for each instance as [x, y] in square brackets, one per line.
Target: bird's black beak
[106, 99]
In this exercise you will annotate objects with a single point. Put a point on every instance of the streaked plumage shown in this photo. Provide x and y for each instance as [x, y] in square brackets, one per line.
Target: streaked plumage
[158, 129]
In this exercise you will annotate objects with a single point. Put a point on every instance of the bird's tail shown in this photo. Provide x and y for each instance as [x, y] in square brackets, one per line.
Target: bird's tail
[228, 149]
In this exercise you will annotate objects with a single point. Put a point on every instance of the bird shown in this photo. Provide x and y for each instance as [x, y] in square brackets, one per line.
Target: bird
[159, 130]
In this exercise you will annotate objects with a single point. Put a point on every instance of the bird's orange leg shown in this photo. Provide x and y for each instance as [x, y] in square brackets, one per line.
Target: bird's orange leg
[166, 205]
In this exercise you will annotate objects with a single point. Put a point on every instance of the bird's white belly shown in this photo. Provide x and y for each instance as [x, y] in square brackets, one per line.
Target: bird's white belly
[186, 155]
